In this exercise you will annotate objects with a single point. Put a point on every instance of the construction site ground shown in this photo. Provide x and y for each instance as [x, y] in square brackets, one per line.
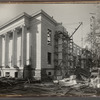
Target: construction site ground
[24, 88]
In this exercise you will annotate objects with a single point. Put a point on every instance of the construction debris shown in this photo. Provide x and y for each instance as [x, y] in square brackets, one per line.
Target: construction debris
[67, 81]
[65, 87]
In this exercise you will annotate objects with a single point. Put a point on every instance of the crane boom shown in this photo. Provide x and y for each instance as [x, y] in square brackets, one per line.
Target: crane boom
[76, 29]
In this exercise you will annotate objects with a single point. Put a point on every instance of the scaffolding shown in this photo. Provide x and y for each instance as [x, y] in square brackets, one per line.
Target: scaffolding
[62, 49]
[63, 52]
[71, 57]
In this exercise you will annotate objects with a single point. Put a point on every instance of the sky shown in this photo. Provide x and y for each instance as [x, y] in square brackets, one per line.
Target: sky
[69, 14]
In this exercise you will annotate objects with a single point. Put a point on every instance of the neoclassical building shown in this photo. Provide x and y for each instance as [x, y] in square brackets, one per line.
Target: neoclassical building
[28, 40]
[35, 46]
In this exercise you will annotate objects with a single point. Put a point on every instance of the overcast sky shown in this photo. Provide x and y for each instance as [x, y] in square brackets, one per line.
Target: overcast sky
[69, 14]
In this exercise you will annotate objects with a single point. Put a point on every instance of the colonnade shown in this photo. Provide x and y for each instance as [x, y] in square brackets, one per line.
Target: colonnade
[13, 51]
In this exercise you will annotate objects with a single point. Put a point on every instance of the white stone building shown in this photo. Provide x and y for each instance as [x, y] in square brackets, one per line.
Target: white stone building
[28, 40]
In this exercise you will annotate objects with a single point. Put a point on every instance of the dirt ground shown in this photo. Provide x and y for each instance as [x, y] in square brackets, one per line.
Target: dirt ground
[22, 88]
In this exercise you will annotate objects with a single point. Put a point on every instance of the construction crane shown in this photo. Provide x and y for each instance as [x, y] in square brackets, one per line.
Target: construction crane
[76, 29]
[71, 43]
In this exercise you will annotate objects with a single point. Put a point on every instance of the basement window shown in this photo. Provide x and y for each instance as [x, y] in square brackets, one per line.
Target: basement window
[7, 74]
[49, 32]
[16, 74]
[0, 73]
[49, 73]
[49, 58]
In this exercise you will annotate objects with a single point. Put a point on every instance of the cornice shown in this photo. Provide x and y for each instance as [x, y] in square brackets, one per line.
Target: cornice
[14, 19]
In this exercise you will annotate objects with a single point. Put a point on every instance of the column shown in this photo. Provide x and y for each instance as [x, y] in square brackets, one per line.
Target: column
[14, 48]
[19, 49]
[0, 50]
[23, 49]
[6, 49]
[28, 48]
[3, 50]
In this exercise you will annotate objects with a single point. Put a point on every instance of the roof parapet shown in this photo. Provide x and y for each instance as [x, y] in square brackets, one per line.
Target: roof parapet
[45, 14]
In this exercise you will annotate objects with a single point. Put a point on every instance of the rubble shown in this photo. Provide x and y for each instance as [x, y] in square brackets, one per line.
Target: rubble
[32, 88]
[68, 81]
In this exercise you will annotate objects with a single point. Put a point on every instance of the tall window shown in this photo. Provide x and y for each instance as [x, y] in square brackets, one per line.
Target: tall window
[49, 33]
[49, 58]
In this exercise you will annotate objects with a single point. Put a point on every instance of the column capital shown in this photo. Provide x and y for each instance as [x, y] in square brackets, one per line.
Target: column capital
[2, 35]
[7, 34]
[14, 30]
[24, 26]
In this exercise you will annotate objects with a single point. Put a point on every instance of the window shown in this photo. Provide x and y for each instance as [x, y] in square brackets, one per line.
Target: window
[78, 52]
[49, 32]
[7, 74]
[16, 74]
[49, 73]
[49, 58]
[0, 73]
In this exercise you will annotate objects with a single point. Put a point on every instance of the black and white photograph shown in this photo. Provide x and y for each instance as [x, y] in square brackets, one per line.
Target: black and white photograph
[50, 50]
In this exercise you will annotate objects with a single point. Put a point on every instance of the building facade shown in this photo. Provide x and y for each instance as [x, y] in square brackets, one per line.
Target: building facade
[28, 41]
[36, 46]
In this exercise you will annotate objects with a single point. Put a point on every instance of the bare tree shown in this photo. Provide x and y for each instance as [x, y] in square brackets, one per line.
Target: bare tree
[93, 38]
